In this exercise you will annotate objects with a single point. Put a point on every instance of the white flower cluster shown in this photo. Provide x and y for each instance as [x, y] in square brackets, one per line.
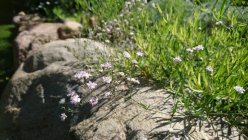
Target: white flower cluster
[239, 89]
[196, 48]
[177, 59]
[91, 85]
[209, 69]
[107, 79]
[74, 97]
[82, 74]
[133, 80]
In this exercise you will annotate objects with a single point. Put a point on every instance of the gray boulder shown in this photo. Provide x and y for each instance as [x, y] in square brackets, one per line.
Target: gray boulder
[146, 114]
[29, 106]
[33, 38]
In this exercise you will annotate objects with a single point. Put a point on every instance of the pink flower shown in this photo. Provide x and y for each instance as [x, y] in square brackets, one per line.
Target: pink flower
[177, 59]
[106, 65]
[126, 54]
[82, 74]
[140, 54]
[93, 101]
[63, 116]
[199, 47]
[133, 80]
[122, 73]
[239, 89]
[91, 85]
[75, 99]
[71, 93]
[134, 61]
[189, 50]
[107, 79]
[107, 94]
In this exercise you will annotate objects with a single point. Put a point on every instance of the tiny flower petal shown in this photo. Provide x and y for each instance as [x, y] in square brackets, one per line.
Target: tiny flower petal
[75, 99]
[107, 41]
[106, 65]
[177, 59]
[62, 101]
[209, 68]
[107, 94]
[189, 50]
[134, 61]
[71, 93]
[126, 54]
[122, 73]
[239, 89]
[63, 116]
[219, 23]
[82, 74]
[107, 79]
[197, 48]
[133, 80]
[140, 54]
[91, 85]
[93, 101]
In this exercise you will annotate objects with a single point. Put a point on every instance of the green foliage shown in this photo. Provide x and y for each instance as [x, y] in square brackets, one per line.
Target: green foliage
[5, 54]
[84, 9]
[203, 92]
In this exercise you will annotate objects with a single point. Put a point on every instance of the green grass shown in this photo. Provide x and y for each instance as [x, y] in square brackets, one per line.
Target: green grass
[6, 65]
[203, 92]
[204, 81]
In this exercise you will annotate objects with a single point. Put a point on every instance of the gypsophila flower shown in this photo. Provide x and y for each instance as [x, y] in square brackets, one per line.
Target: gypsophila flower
[107, 79]
[122, 73]
[63, 116]
[134, 61]
[107, 41]
[133, 80]
[82, 74]
[71, 93]
[177, 59]
[189, 50]
[131, 33]
[219, 23]
[91, 85]
[239, 89]
[126, 54]
[62, 101]
[176, 138]
[107, 94]
[209, 68]
[106, 65]
[93, 101]
[140, 54]
[75, 99]
[197, 48]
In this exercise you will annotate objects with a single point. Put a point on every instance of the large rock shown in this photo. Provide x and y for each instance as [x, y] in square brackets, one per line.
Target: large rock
[33, 38]
[146, 114]
[30, 105]
[70, 29]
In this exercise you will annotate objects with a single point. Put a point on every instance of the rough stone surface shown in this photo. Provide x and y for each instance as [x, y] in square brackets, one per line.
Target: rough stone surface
[70, 29]
[30, 108]
[146, 115]
[31, 39]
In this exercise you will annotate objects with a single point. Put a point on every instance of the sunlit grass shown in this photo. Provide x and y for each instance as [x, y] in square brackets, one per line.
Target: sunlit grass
[203, 80]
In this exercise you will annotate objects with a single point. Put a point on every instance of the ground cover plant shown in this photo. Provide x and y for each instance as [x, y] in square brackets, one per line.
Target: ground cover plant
[200, 57]
[197, 52]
